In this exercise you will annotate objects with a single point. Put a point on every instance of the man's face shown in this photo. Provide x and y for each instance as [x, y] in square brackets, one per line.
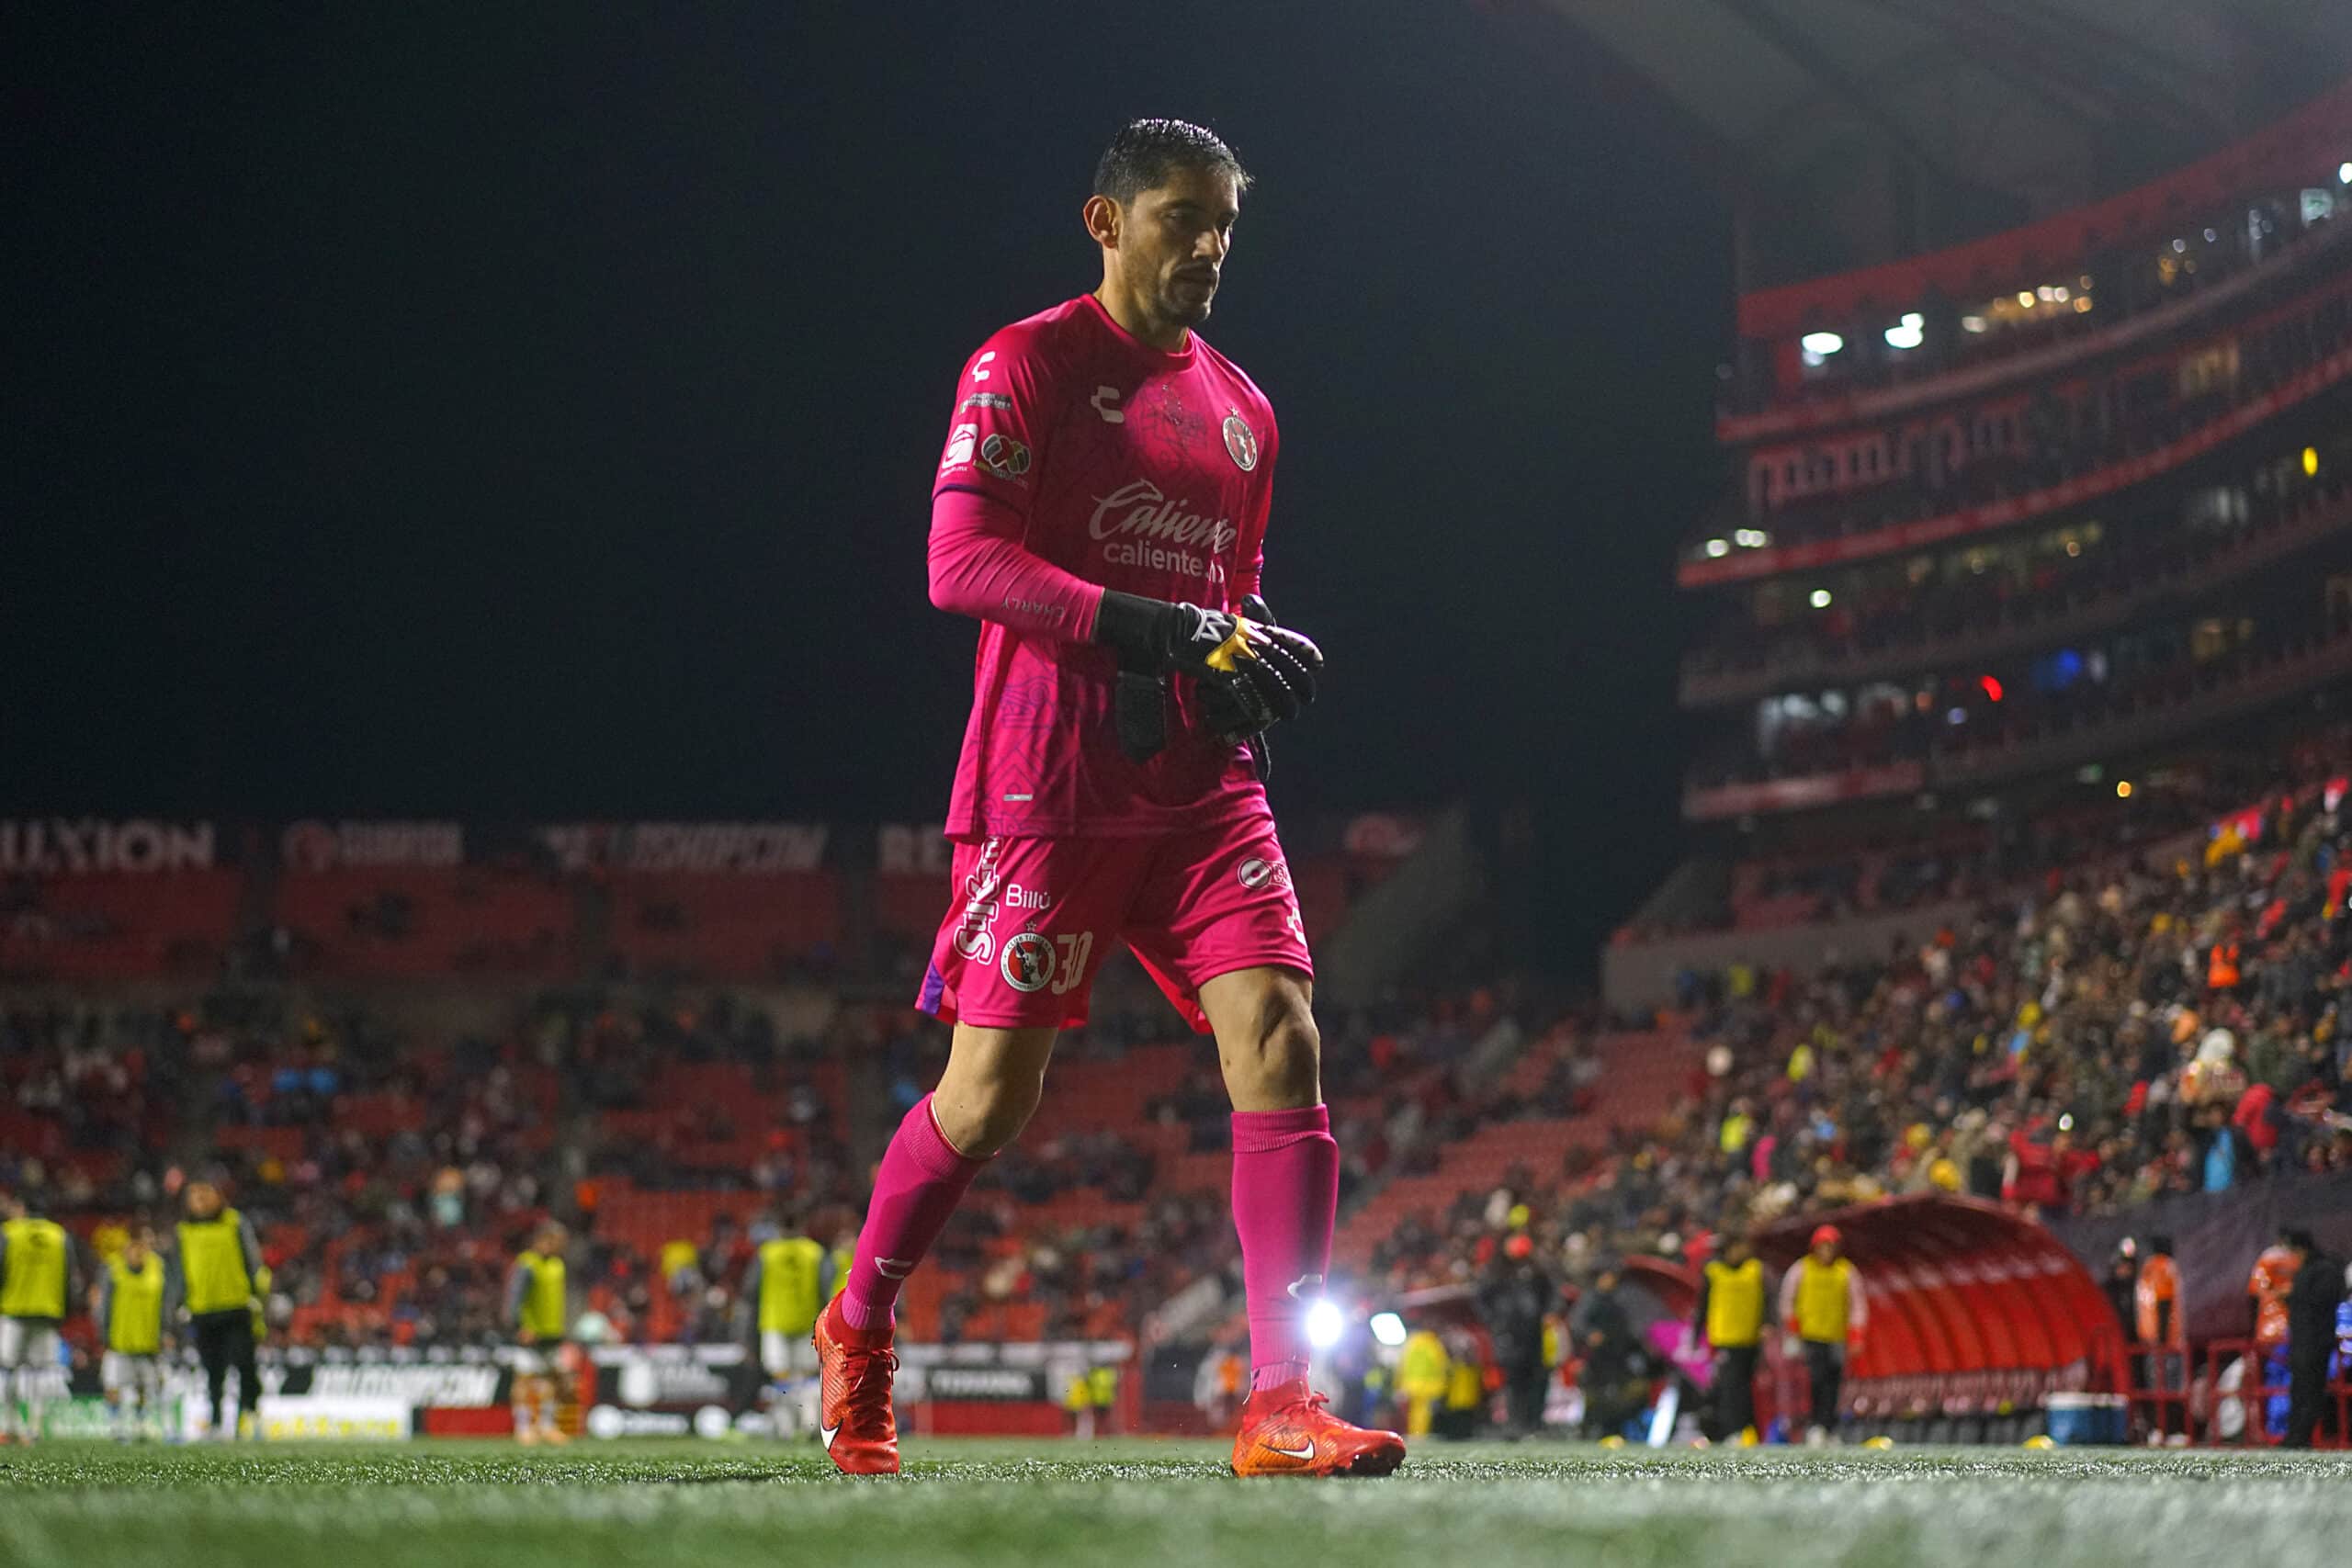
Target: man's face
[1173, 243]
[135, 1252]
[203, 1201]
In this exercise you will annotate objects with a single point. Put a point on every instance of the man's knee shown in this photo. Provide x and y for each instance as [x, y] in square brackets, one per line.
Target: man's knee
[982, 1105]
[1276, 1063]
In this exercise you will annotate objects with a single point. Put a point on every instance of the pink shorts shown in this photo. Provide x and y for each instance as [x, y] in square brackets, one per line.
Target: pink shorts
[1033, 919]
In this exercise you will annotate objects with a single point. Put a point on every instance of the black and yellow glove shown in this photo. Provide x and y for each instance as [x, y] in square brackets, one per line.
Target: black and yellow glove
[1251, 673]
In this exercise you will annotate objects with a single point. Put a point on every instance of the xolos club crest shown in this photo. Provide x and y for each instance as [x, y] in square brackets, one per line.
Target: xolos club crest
[1028, 963]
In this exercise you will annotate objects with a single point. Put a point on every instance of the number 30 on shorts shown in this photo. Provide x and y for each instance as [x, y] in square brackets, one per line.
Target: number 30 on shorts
[1032, 964]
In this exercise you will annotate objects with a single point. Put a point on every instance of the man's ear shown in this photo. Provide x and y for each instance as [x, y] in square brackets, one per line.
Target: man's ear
[1102, 218]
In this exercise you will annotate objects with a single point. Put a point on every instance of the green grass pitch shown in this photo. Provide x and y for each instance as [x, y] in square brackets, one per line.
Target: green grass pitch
[1132, 1502]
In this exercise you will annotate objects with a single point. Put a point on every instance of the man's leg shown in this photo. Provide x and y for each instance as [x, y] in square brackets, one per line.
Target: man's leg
[993, 1080]
[213, 1349]
[1738, 1382]
[1286, 1162]
[2306, 1388]
[1285, 1199]
[1821, 1377]
[240, 1353]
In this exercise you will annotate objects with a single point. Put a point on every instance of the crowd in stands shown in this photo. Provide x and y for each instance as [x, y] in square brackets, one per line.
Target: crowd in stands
[2119, 1033]
[1925, 607]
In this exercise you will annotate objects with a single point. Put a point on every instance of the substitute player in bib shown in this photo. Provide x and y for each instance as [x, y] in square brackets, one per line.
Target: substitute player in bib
[538, 1304]
[35, 1281]
[129, 1313]
[791, 1278]
[216, 1281]
[1101, 507]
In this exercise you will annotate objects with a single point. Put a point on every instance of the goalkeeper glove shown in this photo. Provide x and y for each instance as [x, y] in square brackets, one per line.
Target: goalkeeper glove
[1251, 675]
[1225, 715]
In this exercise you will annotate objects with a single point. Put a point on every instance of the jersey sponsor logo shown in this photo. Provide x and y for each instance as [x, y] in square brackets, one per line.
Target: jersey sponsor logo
[1140, 509]
[1029, 963]
[1240, 443]
[1104, 396]
[1302, 1288]
[959, 447]
[985, 401]
[981, 365]
[1004, 456]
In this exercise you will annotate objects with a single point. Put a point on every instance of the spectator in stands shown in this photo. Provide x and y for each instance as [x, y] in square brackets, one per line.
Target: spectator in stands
[2311, 1304]
[1512, 1301]
[1613, 1362]
[2164, 1333]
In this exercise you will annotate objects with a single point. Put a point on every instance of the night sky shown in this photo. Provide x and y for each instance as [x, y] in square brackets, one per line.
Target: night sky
[529, 412]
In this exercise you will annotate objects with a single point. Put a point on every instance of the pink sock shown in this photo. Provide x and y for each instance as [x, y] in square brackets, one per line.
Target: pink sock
[921, 1181]
[1285, 1199]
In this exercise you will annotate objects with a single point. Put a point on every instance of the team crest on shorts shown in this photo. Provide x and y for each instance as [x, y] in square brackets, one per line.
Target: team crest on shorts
[1007, 459]
[1240, 442]
[1028, 963]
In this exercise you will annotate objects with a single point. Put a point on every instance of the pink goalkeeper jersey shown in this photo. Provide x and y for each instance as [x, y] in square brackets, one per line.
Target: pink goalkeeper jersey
[1132, 468]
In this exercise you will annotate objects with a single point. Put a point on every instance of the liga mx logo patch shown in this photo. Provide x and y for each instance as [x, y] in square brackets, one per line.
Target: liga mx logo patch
[1028, 962]
[1004, 456]
[1240, 442]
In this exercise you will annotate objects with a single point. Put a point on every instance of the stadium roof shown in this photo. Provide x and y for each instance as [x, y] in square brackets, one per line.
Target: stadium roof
[1979, 115]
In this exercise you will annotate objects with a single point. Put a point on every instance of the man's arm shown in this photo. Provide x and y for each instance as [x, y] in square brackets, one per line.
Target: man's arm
[518, 1281]
[748, 1299]
[102, 1304]
[256, 1271]
[1858, 1306]
[980, 568]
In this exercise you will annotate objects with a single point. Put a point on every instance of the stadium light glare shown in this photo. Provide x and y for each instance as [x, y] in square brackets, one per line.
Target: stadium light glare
[2123, 789]
[1974, 323]
[2310, 461]
[1324, 1324]
[1821, 344]
[1821, 598]
[2081, 303]
[1905, 336]
[1718, 548]
[1388, 1329]
[2025, 297]
[2344, 174]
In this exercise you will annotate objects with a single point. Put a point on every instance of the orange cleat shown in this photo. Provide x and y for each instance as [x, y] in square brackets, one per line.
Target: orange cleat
[855, 1419]
[1286, 1431]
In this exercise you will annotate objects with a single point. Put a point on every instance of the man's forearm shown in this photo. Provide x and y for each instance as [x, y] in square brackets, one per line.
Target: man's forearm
[979, 567]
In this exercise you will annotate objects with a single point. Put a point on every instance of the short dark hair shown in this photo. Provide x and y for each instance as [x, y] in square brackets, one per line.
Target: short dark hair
[1146, 152]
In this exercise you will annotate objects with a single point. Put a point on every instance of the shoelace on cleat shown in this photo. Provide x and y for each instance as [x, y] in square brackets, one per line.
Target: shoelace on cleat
[858, 1366]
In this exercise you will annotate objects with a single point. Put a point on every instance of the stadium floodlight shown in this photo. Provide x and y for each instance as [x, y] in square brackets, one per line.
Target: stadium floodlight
[1821, 344]
[1388, 1329]
[1718, 548]
[1907, 332]
[1324, 1324]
